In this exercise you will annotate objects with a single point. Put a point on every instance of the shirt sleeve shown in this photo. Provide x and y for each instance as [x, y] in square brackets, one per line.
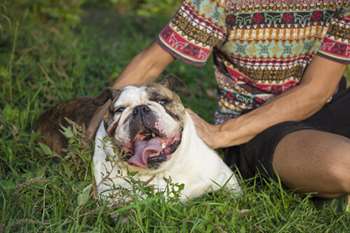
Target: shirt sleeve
[336, 43]
[197, 27]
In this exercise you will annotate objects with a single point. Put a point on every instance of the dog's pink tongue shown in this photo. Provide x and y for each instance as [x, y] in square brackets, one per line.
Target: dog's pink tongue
[144, 150]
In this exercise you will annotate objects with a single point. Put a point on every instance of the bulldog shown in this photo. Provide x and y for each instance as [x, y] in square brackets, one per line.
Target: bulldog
[147, 135]
[147, 132]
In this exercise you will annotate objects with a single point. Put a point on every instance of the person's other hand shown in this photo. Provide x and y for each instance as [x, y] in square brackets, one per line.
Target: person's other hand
[209, 133]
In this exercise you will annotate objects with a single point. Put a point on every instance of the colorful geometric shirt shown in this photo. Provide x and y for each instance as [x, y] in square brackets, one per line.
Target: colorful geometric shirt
[260, 47]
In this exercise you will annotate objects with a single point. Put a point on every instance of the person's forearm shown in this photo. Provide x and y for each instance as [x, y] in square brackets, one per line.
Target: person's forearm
[293, 105]
[145, 67]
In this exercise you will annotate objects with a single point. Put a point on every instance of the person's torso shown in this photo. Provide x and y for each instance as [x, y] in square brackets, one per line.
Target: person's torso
[269, 45]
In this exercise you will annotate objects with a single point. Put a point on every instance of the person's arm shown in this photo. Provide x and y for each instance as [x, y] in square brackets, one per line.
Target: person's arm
[143, 69]
[317, 86]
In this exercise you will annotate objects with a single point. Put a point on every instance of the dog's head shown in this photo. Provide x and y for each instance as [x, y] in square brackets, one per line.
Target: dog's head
[146, 123]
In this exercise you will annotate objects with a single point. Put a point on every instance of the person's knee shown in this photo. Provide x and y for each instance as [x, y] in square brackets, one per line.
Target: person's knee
[340, 174]
[326, 166]
[339, 166]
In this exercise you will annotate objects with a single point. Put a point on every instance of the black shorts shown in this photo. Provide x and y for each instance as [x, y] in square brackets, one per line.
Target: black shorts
[257, 154]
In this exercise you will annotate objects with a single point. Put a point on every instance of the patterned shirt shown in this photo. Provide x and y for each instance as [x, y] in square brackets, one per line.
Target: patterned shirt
[260, 47]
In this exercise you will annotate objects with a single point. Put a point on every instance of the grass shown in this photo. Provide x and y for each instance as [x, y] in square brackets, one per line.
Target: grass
[43, 62]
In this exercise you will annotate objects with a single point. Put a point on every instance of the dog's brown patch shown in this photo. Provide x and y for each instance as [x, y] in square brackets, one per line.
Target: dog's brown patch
[79, 110]
[50, 123]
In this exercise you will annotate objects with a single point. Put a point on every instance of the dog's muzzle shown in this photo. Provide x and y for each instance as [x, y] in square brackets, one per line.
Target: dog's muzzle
[150, 146]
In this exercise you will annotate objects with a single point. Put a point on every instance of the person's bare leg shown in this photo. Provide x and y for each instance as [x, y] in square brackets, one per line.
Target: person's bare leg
[314, 161]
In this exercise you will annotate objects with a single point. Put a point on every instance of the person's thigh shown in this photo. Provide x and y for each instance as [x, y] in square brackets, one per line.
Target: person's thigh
[314, 161]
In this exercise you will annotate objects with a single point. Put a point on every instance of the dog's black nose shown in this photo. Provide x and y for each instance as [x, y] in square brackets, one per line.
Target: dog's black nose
[141, 110]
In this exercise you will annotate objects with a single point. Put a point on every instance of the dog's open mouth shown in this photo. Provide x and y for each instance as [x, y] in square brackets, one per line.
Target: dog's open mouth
[150, 148]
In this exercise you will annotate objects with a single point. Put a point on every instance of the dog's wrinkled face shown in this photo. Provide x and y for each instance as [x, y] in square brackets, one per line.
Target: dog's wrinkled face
[146, 122]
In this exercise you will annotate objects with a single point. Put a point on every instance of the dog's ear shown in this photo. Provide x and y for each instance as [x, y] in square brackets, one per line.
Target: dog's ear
[171, 82]
[107, 94]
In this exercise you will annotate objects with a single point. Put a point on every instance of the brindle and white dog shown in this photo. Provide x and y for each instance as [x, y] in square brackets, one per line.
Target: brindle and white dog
[148, 132]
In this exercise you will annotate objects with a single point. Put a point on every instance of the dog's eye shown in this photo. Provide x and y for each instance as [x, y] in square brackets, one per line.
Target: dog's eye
[119, 109]
[163, 101]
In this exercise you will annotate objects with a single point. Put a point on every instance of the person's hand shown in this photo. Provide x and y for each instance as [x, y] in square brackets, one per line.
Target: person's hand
[209, 133]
